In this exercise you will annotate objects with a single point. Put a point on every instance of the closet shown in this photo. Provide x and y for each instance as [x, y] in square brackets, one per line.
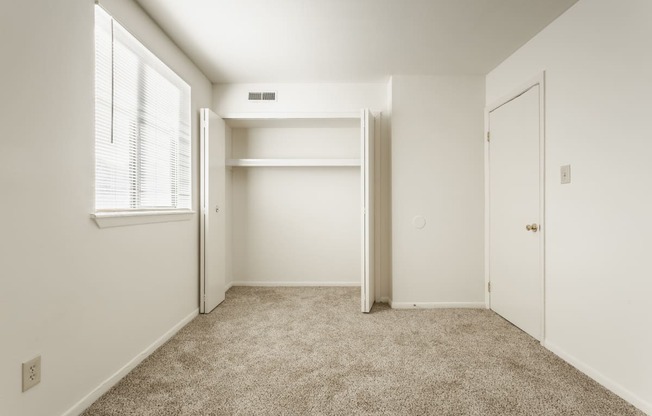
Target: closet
[286, 200]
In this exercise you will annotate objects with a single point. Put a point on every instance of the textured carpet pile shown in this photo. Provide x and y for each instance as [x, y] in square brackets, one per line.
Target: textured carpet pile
[309, 351]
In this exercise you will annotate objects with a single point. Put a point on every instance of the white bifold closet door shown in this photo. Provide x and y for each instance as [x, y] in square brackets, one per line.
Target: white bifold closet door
[212, 266]
[367, 172]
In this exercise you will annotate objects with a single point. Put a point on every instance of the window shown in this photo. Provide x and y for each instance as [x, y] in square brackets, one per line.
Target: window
[142, 126]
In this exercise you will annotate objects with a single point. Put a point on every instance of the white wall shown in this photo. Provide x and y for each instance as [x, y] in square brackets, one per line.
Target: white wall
[437, 173]
[598, 63]
[232, 98]
[88, 300]
[297, 225]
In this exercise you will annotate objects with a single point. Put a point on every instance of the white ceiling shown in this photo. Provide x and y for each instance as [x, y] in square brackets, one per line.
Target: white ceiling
[349, 40]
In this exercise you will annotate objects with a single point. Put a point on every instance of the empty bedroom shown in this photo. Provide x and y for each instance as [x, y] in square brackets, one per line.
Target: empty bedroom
[325, 207]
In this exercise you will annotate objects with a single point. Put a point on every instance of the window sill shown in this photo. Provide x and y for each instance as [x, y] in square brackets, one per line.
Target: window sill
[124, 218]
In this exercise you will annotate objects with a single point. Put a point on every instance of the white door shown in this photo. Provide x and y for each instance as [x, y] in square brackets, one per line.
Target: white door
[515, 215]
[212, 228]
[367, 170]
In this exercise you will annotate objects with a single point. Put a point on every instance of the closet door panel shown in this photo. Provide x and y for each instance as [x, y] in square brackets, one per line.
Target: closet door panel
[213, 211]
[367, 175]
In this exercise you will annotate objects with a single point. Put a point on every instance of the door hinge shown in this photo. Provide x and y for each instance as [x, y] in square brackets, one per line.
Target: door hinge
[489, 287]
[488, 136]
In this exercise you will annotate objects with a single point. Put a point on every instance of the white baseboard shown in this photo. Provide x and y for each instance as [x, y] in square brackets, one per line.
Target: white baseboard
[295, 284]
[106, 385]
[605, 381]
[228, 286]
[385, 299]
[437, 305]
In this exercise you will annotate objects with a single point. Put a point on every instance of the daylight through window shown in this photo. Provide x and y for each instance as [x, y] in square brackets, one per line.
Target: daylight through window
[142, 125]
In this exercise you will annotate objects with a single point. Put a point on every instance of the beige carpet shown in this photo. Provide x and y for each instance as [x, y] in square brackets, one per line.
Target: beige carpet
[309, 351]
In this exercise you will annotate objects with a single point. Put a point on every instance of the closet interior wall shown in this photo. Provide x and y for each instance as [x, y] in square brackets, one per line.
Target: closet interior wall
[295, 225]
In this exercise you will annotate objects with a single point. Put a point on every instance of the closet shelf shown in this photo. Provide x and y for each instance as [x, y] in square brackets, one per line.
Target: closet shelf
[292, 162]
[309, 120]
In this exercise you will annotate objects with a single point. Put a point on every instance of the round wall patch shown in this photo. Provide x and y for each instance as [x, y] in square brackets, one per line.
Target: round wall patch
[419, 222]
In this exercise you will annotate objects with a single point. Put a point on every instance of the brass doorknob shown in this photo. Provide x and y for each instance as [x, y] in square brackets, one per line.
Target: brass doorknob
[534, 228]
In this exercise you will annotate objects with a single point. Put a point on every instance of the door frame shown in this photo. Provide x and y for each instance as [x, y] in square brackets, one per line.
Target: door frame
[538, 80]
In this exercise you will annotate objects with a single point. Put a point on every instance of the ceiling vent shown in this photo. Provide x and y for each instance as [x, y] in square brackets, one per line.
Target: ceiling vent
[262, 96]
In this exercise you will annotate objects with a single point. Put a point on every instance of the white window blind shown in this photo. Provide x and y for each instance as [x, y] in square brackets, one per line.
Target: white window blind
[142, 125]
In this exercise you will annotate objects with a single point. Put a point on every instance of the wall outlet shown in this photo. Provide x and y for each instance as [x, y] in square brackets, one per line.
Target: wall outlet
[565, 174]
[31, 373]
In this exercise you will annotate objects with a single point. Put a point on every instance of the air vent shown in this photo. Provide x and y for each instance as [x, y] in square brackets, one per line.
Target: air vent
[262, 96]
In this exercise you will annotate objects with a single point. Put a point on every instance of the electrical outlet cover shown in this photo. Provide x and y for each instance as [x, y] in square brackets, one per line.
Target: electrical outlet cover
[31, 373]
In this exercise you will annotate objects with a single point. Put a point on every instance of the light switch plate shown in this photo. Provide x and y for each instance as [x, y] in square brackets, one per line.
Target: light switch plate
[565, 174]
